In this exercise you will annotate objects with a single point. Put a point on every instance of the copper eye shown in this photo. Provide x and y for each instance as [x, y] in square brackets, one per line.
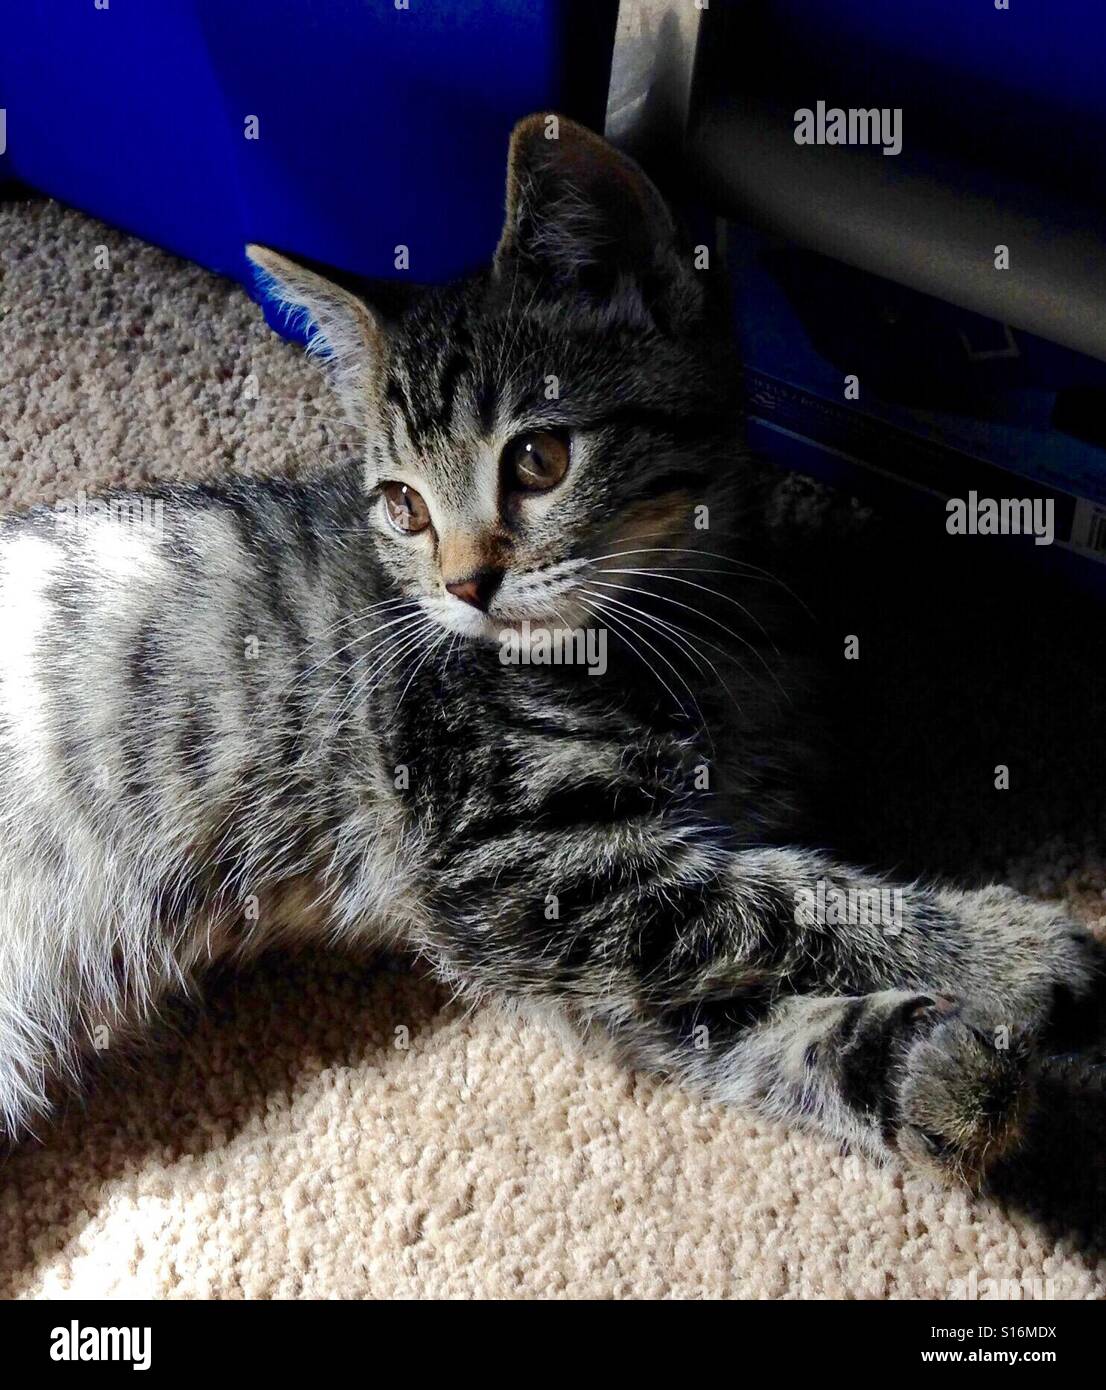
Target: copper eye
[405, 508]
[535, 462]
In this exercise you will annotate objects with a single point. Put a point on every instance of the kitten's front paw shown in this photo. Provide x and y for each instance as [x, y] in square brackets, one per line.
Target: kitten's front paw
[964, 1091]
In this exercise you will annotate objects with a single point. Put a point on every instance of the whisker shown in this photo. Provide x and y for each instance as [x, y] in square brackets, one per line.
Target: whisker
[663, 628]
[740, 569]
[750, 569]
[624, 623]
[633, 589]
[449, 653]
[688, 641]
[695, 640]
[356, 616]
[667, 550]
[369, 681]
[361, 637]
[603, 614]
[706, 588]
[408, 642]
[419, 665]
[408, 624]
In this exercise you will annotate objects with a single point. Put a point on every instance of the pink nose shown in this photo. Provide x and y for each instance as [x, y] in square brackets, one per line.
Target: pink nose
[478, 588]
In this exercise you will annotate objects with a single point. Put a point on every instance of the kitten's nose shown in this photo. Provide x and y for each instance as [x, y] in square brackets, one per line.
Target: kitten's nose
[478, 588]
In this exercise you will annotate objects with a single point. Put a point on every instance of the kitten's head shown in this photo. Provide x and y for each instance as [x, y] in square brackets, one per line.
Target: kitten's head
[562, 413]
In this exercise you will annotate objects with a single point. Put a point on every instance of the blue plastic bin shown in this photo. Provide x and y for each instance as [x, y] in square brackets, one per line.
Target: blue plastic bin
[377, 123]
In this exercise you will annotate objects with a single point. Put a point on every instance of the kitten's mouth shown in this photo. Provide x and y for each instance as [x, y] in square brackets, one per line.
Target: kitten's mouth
[493, 626]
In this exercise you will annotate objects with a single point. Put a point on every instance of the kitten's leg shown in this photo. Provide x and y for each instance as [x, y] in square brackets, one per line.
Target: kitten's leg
[912, 1037]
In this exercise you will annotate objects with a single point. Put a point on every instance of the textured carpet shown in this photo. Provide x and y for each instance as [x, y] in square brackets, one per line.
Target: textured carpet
[281, 1142]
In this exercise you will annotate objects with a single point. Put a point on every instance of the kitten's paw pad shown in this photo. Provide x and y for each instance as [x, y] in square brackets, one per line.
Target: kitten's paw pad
[964, 1092]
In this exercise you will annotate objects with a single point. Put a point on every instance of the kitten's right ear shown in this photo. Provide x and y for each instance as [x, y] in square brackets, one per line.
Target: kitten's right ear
[344, 331]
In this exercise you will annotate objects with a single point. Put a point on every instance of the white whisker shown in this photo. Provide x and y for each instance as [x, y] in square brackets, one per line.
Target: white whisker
[433, 647]
[664, 598]
[622, 622]
[688, 642]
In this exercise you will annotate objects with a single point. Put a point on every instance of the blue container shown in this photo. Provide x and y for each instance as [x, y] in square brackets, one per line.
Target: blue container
[334, 129]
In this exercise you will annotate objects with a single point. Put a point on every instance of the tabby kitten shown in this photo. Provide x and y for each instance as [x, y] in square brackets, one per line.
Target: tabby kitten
[283, 713]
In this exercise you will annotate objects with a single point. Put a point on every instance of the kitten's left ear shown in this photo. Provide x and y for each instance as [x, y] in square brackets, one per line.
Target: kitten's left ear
[344, 331]
[582, 216]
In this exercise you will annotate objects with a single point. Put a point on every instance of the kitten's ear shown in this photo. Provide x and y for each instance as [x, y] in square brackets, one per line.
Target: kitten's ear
[343, 330]
[581, 216]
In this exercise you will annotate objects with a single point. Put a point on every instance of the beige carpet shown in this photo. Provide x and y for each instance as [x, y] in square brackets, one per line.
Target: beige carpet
[280, 1143]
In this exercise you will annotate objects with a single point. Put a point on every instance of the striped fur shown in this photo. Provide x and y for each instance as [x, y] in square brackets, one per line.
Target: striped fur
[264, 719]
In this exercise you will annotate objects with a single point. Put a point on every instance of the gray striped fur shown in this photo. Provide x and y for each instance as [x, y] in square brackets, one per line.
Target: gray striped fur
[265, 720]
